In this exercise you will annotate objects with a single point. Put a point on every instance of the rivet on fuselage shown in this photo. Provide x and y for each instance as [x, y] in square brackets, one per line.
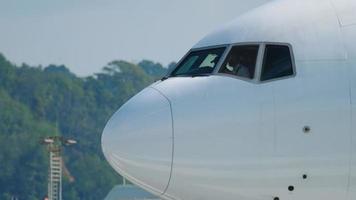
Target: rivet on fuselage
[291, 188]
[306, 129]
[305, 176]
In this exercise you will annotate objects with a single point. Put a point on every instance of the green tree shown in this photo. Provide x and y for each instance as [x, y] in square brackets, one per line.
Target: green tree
[37, 102]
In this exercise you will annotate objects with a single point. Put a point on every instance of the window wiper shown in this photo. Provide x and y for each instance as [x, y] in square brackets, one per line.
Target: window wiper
[192, 75]
[165, 78]
[199, 75]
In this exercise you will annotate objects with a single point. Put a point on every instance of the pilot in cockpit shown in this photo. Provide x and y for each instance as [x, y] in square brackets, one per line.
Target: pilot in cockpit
[238, 65]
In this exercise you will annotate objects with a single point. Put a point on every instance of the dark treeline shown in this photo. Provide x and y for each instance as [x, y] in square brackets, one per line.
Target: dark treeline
[36, 102]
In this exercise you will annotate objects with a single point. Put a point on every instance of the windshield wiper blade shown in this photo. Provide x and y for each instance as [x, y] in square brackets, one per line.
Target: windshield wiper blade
[199, 75]
[192, 75]
[164, 78]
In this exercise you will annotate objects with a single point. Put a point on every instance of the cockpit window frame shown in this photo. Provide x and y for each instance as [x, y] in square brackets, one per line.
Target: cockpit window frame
[291, 57]
[255, 78]
[226, 46]
[259, 62]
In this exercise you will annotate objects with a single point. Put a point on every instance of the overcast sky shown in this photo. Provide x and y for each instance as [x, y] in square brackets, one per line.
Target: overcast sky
[85, 35]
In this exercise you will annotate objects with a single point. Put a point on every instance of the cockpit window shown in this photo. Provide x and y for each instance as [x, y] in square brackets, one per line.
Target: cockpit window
[241, 61]
[200, 62]
[277, 62]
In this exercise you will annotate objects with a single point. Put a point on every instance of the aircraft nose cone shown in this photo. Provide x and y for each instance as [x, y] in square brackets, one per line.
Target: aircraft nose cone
[137, 140]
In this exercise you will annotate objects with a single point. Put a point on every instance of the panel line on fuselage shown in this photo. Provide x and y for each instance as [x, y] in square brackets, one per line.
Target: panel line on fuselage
[170, 106]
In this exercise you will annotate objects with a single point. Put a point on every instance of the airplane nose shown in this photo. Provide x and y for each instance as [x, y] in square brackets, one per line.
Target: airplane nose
[137, 140]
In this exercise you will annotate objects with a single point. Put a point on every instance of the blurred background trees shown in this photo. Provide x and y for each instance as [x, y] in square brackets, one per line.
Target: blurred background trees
[37, 102]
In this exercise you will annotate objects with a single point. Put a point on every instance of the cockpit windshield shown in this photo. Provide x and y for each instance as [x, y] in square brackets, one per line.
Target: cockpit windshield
[241, 61]
[201, 62]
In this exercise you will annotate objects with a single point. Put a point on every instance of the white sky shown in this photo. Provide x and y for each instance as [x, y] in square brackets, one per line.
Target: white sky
[85, 35]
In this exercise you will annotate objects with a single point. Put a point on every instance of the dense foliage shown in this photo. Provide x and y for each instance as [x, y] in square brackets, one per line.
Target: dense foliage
[36, 102]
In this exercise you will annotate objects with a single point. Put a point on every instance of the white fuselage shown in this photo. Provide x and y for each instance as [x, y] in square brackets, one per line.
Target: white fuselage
[222, 137]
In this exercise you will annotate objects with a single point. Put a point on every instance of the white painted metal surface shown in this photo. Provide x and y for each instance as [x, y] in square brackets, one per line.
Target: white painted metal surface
[232, 139]
[138, 140]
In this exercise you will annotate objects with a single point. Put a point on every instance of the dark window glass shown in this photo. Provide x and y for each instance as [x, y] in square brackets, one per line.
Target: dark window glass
[277, 62]
[241, 61]
[199, 62]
